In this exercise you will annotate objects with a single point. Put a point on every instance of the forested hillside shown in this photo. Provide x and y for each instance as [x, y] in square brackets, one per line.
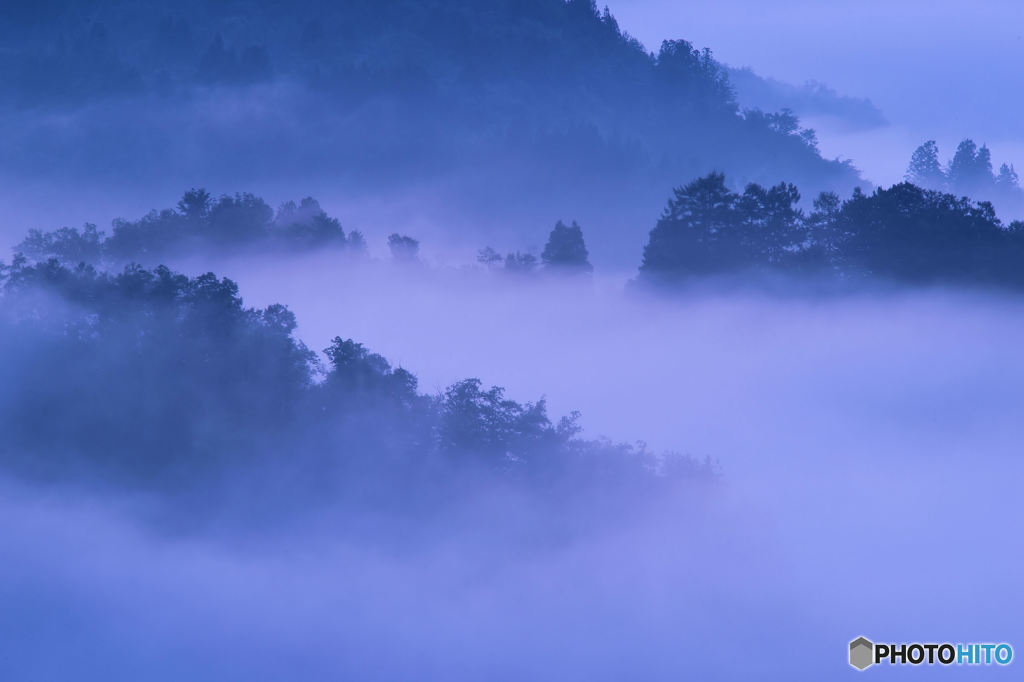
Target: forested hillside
[480, 102]
[158, 381]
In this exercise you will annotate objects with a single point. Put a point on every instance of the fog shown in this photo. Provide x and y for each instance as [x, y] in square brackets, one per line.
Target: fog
[591, 345]
[270, 141]
[937, 70]
[186, 493]
[868, 451]
[472, 119]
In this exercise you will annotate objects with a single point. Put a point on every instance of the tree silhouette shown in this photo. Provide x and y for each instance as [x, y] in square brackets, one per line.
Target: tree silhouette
[970, 170]
[1007, 180]
[924, 169]
[565, 249]
[488, 257]
[67, 245]
[242, 220]
[768, 223]
[161, 380]
[904, 233]
[195, 205]
[693, 235]
[520, 263]
[403, 249]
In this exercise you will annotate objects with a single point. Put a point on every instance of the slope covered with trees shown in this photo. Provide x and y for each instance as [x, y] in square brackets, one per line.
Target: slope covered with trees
[547, 100]
[157, 380]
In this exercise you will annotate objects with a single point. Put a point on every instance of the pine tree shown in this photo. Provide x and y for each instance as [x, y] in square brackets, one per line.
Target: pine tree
[970, 171]
[983, 166]
[924, 169]
[566, 249]
[1007, 179]
[962, 165]
[697, 231]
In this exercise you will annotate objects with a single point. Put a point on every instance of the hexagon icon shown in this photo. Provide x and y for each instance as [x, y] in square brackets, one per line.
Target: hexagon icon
[862, 653]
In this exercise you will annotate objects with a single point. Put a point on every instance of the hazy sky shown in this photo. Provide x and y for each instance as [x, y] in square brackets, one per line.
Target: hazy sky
[937, 69]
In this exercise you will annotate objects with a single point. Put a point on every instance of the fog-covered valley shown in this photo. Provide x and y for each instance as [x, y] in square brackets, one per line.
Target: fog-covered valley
[867, 466]
[591, 359]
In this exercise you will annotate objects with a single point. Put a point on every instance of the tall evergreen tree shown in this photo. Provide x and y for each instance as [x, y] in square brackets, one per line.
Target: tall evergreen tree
[970, 171]
[821, 231]
[566, 249]
[961, 167]
[195, 205]
[924, 169]
[693, 235]
[1007, 179]
[769, 222]
[983, 166]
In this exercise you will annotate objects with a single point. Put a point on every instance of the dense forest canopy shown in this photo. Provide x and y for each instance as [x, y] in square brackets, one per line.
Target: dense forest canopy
[901, 234]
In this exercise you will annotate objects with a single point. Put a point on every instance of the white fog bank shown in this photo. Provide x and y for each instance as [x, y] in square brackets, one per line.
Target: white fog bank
[870, 458]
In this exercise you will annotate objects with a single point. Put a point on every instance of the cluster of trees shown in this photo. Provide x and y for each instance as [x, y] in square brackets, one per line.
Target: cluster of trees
[161, 379]
[905, 233]
[241, 221]
[199, 221]
[968, 173]
[404, 249]
[565, 252]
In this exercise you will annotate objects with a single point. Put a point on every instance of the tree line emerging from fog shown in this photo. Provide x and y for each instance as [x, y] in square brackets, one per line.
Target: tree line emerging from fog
[155, 378]
[968, 173]
[904, 234]
[565, 252]
[199, 222]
